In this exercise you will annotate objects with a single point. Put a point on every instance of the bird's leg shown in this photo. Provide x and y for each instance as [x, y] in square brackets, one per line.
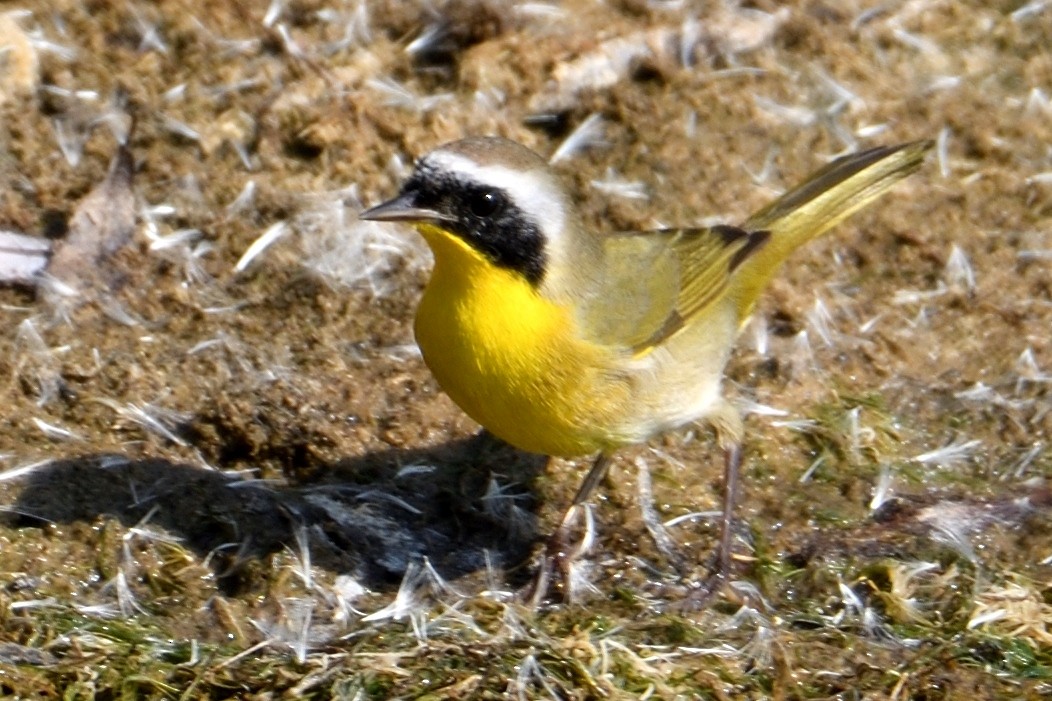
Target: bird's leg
[558, 551]
[599, 469]
[732, 461]
[729, 432]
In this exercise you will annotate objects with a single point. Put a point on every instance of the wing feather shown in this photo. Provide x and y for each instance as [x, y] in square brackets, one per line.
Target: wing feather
[655, 283]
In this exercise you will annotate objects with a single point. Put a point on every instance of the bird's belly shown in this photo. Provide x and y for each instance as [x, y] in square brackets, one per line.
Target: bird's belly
[684, 383]
[511, 361]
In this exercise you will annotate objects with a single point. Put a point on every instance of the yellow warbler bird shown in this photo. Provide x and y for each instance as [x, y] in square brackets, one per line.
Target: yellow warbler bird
[566, 341]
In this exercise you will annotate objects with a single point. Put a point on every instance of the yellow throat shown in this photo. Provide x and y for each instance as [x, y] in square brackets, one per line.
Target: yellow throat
[506, 355]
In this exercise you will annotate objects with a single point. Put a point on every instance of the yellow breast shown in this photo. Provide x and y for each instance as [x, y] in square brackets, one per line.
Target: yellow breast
[509, 357]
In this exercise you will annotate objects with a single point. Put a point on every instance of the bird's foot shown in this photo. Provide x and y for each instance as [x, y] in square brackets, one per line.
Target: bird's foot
[703, 593]
[721, 573]
[561, 559]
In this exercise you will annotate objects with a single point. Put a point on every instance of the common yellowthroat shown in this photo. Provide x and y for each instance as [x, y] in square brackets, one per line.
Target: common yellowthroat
[566, 341]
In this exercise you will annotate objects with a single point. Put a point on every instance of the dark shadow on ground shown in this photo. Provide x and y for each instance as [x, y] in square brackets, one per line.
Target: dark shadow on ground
[368, 516]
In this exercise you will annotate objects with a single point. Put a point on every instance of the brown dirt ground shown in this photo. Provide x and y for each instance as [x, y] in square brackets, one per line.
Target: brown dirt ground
[291, 399]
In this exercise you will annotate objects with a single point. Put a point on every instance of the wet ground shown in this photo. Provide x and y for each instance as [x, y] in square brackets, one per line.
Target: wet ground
[226, 470]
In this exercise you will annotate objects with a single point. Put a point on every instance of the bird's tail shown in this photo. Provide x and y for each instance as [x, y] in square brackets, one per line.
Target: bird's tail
[825, 199]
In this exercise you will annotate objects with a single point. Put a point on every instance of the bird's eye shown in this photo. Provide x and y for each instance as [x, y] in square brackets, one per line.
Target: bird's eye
[485, 203]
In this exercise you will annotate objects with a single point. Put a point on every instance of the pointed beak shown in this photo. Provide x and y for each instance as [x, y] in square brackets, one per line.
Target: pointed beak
[402, 208]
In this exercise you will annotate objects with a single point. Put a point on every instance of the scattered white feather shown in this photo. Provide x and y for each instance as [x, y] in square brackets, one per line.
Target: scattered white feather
[180, 128]
[502, 505]
[397, 95]
[415, 470]
[418, 584]
[941, 83]
[347, 590]
[867, 326]
[265, 240]
[1035, 254]
[531, 674]
[387, 497]
[786, 114]
[984, 394]
[942, 151]
[690, 124]
[55, 432]
[177, 239]
[44, 45]
[36, 360]
[987, 616]
[71, 139]
[842, 96]
[356, 26]
[153, 419]
[882, 490]
[725, 650]
[601, 68]
[150, 36]
[615, 186]
[66, 93]
[958, 270]
[175, 93]
[950, 524]
[401, 352]
[802, 357]
[748, 406]
[304, 571]
[244, 199]
[541, 10]
[800, 425]
[949, 455]
[870, 131]
[763, 176]
[127, 603]
[490, 100]
[693, 516]
[31, 604]
[1038, 104]
[292, 47]
[857, 433]
[1029, 371]
[1030, 10]
[1020, 467]
[727, 32]
[759, 336]
[349, 252]
[849, 598]
[158, 211]
[588, 134]
[810, 471]
[22, 257]
[273, 12]
[433, 34]
[299, 615]
[821, 321]
[20, 471]
[915, 41]
[760, 646]
[903, 297]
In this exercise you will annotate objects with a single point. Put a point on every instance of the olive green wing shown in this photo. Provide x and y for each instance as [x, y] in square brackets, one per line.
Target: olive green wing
[653, 283]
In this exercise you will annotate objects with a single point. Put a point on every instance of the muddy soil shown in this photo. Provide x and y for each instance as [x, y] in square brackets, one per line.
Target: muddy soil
[198, 441]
